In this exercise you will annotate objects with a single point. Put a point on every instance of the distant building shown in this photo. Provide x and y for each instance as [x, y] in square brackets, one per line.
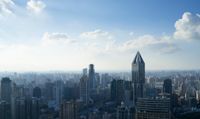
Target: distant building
[94, 115]
[6, 89]
[97, 80]
[124, 112]
[69, 110]
[117, 90]
[153, 108]
[20, 109]
[167, 86]
[5, 112]
[106, 116]
[37, 92]
[71, 92]
[59, 86]
[35, 108]
[128, 93]
[49, 91]
[84, 89]
[32, 108]
[91, 77]
[105, 80]
[85, 71]
[138, 77]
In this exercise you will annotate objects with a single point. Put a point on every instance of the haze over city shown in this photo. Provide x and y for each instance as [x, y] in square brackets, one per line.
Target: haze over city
[99, 59]
[45, 35]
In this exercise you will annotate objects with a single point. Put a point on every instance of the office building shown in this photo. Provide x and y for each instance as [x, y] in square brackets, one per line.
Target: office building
[20, 109]
[138, 77]
[5, 112]
[125, 112]
[84, 89]
[91, 77]
[6, 89]
[117, 90]
[37, 92]
[69, 110]
[167, 86]
[153, 108]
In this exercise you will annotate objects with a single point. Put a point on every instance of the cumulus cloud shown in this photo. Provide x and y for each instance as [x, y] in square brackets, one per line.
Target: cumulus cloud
[96, 34]
[6, 7]
[169, 48]
[162, 44]
[35, 6]
[188, 27]
[55, 38]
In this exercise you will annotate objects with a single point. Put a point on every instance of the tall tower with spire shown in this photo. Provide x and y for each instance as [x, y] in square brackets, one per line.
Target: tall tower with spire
[138, 77]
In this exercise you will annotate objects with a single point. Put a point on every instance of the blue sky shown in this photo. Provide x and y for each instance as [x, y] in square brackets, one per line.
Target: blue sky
[40, 35]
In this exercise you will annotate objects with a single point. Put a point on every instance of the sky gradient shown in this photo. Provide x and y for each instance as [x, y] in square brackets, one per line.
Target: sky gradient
[43, 35]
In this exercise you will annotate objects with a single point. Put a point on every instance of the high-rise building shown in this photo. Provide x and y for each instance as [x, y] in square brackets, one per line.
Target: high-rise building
[49, 89]
[138, 77]
[32, 107]
[167, 86]
[153, 108]
[5, 112]
[69, 110]
[91, 77]
[59, 86]
[105, 80]
[37, 92]
[35, 108]
[128, 93]
[124, 112]
[85, 71]
[20, 109]
[117, 90]
[6, 89]
[84, 89]
[97, 80]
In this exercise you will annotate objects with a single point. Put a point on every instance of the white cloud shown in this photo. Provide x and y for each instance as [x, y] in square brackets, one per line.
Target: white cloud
[162, 44]
[6, 7]
[109, 45]
[169, 48]
[35, 6]
[56, 38]
[188, 27]
[96, 34]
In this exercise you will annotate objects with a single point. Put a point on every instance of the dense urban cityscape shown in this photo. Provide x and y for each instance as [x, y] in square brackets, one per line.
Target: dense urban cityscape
[93, 95]
[99, 59]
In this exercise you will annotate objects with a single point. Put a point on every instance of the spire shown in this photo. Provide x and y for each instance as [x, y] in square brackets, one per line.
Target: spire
[138, 58]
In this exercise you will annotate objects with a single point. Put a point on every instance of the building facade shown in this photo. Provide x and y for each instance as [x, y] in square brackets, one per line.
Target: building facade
[153, 108]
[138, 77]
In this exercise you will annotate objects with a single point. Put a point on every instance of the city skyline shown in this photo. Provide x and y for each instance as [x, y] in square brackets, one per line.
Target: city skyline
[42, 35]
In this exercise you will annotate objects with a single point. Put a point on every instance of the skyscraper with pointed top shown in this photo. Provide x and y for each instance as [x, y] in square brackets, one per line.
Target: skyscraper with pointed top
[138, 77]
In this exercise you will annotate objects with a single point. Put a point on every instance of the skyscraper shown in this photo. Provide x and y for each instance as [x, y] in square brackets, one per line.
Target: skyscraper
[138, 77]
[167, 86]
[117, 90]
[59, 85]
[92, 81]
[6, 89]
[20, 109]
[85, 71]
[84, 92]
[37, 92]
[91, 77]
[35, 108]
[5, 110]
[69, 110]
